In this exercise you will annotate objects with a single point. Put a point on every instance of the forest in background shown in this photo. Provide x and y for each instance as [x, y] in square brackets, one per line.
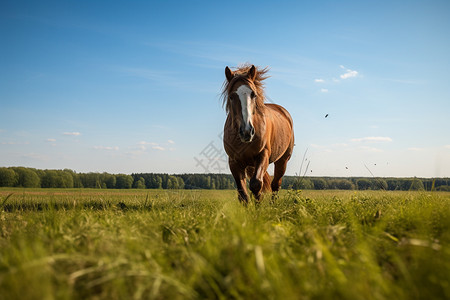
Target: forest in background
[36, 178]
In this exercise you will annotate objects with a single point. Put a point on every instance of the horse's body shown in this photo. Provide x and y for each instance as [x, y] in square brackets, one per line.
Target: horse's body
[255, 134]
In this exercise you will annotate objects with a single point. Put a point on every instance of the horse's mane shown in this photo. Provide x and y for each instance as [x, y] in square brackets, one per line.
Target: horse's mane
[240, 74]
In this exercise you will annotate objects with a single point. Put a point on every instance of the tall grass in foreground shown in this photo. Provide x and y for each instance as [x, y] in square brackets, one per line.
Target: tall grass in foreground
[91, 244]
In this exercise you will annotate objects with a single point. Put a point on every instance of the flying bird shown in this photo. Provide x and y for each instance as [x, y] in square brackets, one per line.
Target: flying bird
[326, 115]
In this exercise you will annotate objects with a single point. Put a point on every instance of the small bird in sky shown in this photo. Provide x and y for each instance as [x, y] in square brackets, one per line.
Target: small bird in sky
[326, 115]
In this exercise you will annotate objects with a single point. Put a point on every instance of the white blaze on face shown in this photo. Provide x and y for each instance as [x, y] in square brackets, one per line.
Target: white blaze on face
[245, 95]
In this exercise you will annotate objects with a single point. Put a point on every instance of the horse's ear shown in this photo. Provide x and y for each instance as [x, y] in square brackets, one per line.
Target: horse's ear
[252, 73]
[228, 74]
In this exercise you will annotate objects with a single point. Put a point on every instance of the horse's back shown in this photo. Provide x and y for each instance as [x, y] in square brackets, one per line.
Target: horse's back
[281, 111]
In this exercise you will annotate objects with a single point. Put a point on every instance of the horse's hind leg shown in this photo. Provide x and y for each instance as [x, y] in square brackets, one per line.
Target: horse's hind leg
[240, 178]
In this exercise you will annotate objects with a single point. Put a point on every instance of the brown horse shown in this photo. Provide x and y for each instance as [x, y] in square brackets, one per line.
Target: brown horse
[255, 133]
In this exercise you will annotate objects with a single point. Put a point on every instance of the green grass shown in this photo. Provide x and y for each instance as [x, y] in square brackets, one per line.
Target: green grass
[154, 244]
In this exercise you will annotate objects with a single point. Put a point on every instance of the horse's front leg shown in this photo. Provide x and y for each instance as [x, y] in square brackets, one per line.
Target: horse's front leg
[257, 180]
[280, 168]
[238, 172]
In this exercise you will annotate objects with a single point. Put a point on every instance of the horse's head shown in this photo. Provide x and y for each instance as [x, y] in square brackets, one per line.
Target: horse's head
[244, 98]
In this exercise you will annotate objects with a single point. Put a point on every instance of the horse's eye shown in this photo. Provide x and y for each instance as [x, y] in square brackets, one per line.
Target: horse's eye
[253, 95]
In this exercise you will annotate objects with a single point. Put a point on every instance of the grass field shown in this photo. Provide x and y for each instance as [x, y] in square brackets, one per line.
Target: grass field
[155, 244]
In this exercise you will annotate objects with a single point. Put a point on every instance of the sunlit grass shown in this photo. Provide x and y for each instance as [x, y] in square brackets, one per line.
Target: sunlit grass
[155, 244]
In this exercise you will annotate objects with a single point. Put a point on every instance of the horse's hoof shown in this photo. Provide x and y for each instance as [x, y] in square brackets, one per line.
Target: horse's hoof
[256, 186]
[274, 197]
[243, 200]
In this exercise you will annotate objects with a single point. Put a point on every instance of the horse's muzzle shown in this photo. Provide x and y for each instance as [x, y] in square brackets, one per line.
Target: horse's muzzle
[246, 134]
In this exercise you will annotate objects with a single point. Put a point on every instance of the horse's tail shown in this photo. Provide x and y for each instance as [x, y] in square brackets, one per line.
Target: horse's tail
[267, 181]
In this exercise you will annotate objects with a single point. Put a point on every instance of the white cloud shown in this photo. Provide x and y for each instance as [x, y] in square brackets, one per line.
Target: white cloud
[35, 156]
[155, 146]
[15, 143]
[373, 139]
[146, 143]
[50, 140]
[319, 80]
[72, 133]
[348, 74]
[447, 146]
[115, 148]
[324, 90]
[143, 145]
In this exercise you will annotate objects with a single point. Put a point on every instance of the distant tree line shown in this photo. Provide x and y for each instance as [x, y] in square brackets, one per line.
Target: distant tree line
[35, 178]
[364, 183]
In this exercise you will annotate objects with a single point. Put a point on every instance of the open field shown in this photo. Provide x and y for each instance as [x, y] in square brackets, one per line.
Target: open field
[161, 244]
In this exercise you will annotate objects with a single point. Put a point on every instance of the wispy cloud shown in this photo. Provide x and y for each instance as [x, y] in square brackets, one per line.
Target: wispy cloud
[72, 133]
[35, 156]
[373, 139]
[348, 74]
[447, 146]
[51, 141]
[147, 143]
[142, 145]
[15, 143]
[370, 149]
[149, 148]
[115, 148]
[405, 81]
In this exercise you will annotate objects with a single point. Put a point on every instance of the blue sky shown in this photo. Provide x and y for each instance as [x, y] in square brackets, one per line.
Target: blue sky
[135, 86]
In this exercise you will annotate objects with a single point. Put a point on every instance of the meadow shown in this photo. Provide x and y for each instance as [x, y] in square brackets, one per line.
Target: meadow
[195, 244]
